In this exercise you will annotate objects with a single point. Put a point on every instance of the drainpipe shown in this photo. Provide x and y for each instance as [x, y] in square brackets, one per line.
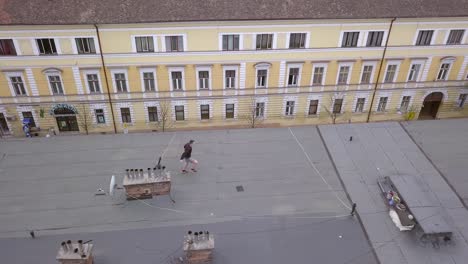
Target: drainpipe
[380, 69]
[105, 77]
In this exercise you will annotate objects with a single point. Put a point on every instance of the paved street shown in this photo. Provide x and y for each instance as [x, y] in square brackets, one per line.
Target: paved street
[288, 212]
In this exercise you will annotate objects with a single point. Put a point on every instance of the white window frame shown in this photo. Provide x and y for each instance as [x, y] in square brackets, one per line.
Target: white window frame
[306, 43]
[204, 68]
[142, 79]
[93, 108]
[220, 41]
[254, 40]
[163, 41]
[383, 94]
[344, 64]
[16, 46]
[397, 70]
[236, 79]
[374, 66]
[342, 97]
[299, 77]
[415, 62]
[48, 73]
[366, 36]
[8, 75]
[449, 61]
[85, 77]
[364, 95]
[233, 101]
[262, 66]
[57, 45]
[286, 99]
[458, 101]
[324, 76]
[434, 36]
[176, 69]
[75, 48]
[114, 84]
[311, 98]
[263, 100]
[359, 42]
[130, 108]
[155, 43]
[463, 39]
[210, 109]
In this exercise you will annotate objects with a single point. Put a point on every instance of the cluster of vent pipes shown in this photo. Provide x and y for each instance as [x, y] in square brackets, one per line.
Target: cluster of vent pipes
[156, 172]
[68, 248]
[197, 236]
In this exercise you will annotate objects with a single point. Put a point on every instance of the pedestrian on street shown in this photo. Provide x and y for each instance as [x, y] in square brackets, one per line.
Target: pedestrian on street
[187, 157]
[26, 130]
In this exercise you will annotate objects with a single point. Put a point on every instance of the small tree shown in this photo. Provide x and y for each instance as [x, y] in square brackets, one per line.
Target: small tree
[165, 115]
[251, 116]
[330, 107]
[85, 119]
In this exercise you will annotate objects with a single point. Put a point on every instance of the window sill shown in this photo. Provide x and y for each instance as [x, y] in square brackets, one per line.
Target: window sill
[312, 116]
[95, 93]
[289, 116]
[93, 53]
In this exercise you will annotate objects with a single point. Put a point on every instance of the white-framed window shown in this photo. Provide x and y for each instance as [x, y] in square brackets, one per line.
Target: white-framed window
[424, 38]
[179, 112]
[367, 74]
[230, 77]
[177, 78]
[231, 42]
[344, 73]
[46, 46]
[230, 110]
[462, 100]
[92, 81]
[264, 41]
[7, 47]
[337, 105]
[262, 77]
[174, 43]
[414, 71]
[289, 111]
[297, 40]
[144, 43]
[55, 83]
[204, 78]
[294, 75]
[126, 115]
[148, 79]
[444, 71]
[391, 72]
[319, 72]
[152, 113]
[313, 107]
[85, 45]
[16, 83]
[205, 112]
[382, 104]
[405, 103]
[375, 38]
[120, 81]
[100, 116]
[350, 39]
[260, 109]
[455, 37]
[360, 102]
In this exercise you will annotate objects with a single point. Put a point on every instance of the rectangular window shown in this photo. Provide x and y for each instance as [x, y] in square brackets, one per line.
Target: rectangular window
[120, 82]
[350, 39]
[289, 108]
[230, 42]
[93, 83]
[148, 80]
[29, 115]
[390, 75]
[374, 38]
[405, 101]
[55, 84]
[424, 38]
[174, 43]
[46, 46]
[18, 85]
[338, 103]
[318, 75]
[229, 111]
[205, 111]
[313, 107]
[176, 80]
[152, 113]
[100, 119]
[230, 78]
[360, 105]
[455, 36]
[126, 116]
[179, 113]
[443, 72]
[144, 44]
[382, 104]
[260, 110]
[462, 100]
[366, 74]
[414, 72]
[343, 75]
[85, 45]
[204, 79]
[297, 40]
[7, 47]
[262, 78]
[293, 77]
[264, 41]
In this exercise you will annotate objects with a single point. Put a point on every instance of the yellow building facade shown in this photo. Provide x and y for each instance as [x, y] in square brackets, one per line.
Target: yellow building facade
[189, 75]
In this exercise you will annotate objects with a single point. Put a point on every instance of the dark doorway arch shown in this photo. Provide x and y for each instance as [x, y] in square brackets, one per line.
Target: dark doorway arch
[431, 106]
[66, 117]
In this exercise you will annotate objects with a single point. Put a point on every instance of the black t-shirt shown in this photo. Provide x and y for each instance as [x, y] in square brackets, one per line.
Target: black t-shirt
[187, 151]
